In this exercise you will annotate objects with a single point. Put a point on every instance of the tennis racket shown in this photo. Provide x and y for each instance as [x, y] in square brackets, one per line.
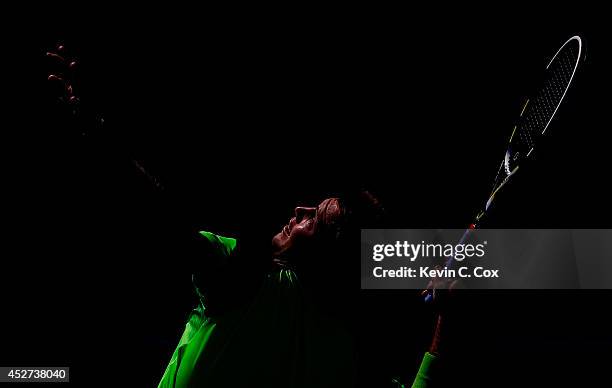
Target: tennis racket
[532, 124]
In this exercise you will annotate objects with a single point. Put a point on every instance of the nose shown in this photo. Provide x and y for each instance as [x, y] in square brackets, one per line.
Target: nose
[302, 213]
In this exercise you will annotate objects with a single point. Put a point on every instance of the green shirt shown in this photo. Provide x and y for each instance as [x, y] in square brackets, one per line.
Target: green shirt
[275, 341]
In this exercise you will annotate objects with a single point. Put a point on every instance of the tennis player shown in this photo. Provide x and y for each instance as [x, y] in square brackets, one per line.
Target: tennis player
[287, 324]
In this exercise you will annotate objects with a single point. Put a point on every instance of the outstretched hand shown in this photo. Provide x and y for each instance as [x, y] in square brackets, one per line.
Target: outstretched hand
[61, 72]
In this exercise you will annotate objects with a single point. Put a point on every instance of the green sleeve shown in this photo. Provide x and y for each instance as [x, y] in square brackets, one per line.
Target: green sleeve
[223, 246]
[426, 373]
[219, 248]
[195, 323]
[213, 278]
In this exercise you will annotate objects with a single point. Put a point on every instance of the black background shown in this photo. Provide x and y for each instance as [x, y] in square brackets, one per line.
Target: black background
[242, 115]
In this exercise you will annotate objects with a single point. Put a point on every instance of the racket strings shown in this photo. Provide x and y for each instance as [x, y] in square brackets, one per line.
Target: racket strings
[540, 110]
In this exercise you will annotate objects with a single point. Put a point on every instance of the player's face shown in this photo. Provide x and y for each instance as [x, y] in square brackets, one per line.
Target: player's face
[304, 227]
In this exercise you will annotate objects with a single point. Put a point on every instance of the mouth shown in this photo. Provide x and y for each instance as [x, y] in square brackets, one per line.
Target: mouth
[286, 230]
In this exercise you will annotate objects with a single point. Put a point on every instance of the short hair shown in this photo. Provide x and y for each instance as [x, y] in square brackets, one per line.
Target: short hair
[338, 242]
[359, 210]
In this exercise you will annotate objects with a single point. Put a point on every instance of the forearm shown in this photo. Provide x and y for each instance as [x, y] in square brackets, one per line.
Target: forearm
[427, 372]
[437, 342]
